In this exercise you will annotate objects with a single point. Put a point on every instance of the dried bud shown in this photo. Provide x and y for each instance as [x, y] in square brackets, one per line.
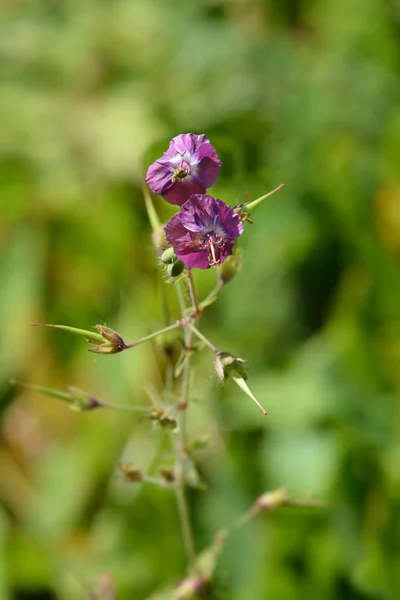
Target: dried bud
[168, 474]
[230, 267]
[81, 400]
[132, 472]
[272, 500]
[163, 419]
[193, 587]
[112, 343]
[227, 365]
[244, 215]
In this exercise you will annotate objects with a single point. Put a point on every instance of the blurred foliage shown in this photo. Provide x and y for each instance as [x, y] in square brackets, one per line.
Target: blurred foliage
[305, 92]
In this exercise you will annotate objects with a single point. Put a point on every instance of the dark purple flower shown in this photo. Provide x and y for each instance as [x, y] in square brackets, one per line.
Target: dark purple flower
[189, 166]
[203, 232]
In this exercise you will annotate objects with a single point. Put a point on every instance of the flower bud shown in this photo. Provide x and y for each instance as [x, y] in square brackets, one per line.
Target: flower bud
[175, 270]
[227, 365]
[112, 344]
[168, 257]
[230, 267]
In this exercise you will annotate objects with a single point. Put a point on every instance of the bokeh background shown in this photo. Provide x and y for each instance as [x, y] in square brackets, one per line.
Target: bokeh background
[301, 92]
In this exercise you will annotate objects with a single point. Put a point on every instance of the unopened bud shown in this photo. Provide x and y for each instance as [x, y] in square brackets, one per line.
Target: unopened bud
[230, 267]
[132, 472]
[168, 257]
[227, 365]
[175, 269]
[112, 344]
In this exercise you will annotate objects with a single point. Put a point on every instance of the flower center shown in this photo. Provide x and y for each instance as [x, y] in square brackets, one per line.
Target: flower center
[183, 168]
[212, 243]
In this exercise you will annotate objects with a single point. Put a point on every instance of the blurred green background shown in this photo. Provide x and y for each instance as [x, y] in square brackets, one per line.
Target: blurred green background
[304, 92]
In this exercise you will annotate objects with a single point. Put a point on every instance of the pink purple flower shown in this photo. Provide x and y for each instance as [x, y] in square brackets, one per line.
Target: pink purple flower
[204, 231]
[189, 166]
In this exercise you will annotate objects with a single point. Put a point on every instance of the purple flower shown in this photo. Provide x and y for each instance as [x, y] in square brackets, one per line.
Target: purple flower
[189, 166]
[203, 232]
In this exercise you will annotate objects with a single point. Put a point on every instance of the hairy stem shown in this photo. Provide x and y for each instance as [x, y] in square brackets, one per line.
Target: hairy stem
[180, 445]
[193, 295]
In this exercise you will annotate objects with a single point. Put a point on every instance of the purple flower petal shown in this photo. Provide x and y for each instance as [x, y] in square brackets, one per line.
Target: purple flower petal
[184, 189]
[204, 231]
[189, 166]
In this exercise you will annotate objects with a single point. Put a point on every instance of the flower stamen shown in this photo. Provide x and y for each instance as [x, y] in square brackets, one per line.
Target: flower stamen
[214, 260]
[180, 172]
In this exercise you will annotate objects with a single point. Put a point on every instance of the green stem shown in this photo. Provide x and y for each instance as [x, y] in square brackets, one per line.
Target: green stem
[180, 446]
[203, 338]
[151, 211]
[181, 299]
[133, 408]
[254, 203]
[155, 481]
[184, 517]
[193, 295]
[211, 296]
[156, 333]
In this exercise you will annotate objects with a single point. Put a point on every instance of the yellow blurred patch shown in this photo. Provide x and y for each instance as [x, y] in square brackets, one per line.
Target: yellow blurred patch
[387, 215]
